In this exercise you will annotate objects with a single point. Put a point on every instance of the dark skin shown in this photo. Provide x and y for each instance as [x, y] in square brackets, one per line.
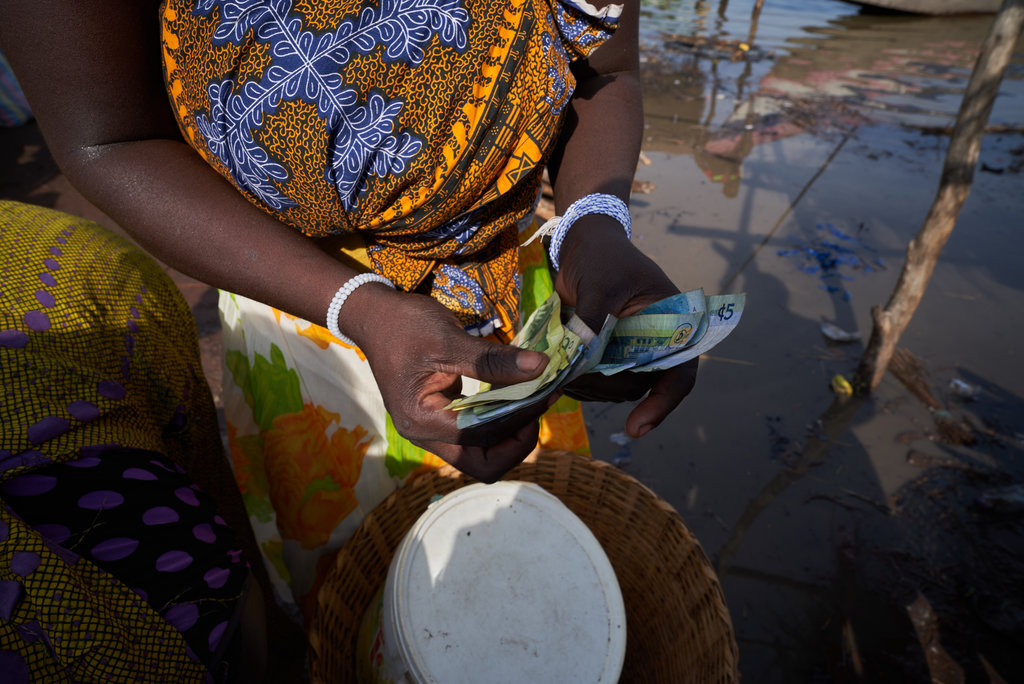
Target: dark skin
[107, 122]
[96, 88]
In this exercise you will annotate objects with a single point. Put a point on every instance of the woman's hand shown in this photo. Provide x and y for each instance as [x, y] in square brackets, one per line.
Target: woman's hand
[419, 352]
[603, 273]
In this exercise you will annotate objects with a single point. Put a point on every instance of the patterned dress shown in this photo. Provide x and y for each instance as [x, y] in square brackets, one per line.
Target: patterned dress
[410, 136]
[114, 563]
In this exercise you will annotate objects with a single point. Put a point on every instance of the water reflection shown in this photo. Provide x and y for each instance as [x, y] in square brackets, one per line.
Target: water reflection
[721, 80]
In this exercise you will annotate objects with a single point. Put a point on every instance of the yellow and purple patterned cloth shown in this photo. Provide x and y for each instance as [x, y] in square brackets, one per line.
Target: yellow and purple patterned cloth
[112, 561]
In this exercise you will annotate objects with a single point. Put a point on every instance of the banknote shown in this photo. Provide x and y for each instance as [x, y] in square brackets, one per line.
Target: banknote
[642, 338]
[724, 312]
[559, 358]
[594, 344]
[543, 332]
[661, 336]
[693, 302]
[591, 347]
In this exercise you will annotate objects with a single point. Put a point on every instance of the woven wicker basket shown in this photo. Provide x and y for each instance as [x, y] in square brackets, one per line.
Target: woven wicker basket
[678, 627]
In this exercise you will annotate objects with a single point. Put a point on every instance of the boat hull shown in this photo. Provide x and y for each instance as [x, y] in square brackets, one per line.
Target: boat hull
[933, 7]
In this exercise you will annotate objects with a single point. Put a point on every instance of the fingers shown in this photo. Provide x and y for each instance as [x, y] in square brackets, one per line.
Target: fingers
[488, 464]
[497, 364]
[436, 425]
[618, 387]
[670, 389]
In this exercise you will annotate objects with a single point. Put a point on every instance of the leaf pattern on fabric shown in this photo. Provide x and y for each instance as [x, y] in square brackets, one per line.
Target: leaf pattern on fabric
[271, 388]
[403, 457]
[306, 67]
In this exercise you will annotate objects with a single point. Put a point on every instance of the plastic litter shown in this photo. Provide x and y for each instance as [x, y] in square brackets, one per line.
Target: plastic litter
[961, 389]
[831, 255]
[624, 456]
[841, 386]
[1004, 499]
[837, 334]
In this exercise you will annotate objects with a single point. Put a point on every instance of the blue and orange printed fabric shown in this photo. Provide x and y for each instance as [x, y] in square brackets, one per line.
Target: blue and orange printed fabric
[420, 125]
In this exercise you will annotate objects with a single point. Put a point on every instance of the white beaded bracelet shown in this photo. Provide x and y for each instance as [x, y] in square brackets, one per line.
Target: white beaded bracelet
[597, 203]
[334, 310]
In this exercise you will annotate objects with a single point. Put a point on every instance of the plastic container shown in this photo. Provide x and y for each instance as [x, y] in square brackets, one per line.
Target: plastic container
[496, 583]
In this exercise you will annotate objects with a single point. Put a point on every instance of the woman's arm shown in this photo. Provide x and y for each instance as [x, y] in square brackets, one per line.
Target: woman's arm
[601, 271]
[93, 76]
[92, 73]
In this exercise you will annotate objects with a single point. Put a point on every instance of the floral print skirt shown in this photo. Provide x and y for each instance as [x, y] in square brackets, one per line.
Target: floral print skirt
[312, 446]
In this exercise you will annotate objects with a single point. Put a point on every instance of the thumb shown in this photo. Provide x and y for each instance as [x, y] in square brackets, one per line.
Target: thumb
[498, 364]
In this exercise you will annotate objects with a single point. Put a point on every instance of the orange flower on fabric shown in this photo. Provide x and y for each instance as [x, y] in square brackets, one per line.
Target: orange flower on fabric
[312, 476]
[317, 334]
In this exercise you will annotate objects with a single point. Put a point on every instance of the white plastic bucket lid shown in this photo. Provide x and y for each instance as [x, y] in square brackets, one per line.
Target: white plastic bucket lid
[503, 583]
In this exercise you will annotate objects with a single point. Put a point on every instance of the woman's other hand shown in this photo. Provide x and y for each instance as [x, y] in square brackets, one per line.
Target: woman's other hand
[603, 273]
[419, 352]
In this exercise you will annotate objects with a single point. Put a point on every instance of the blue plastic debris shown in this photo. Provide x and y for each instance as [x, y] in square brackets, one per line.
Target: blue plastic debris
[834, 253]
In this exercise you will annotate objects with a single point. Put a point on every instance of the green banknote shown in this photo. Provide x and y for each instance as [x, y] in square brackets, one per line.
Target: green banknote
[662, 335]
[542, 332]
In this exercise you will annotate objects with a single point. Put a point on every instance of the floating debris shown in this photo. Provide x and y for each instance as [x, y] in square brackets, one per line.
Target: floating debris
[641, 187]
[961, 389]
[716, 48]
[833, 257]
[841, 386]
[624, 456]
[837, 334]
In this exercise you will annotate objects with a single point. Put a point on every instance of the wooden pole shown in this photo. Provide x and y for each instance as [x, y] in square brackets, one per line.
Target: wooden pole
[754, 16]
[954, 186]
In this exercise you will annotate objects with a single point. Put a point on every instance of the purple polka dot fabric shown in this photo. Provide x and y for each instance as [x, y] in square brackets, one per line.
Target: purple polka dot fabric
[47, 428]
[173, 561]
[24, 563]
[29, 485]
[54, 532]
[13, 339]
[84, 411]
[182, 616]
[10, 593]
[138, 474]
[133, 514]
[187, 496]
[99, 500]
[116, 548]
[160, 515]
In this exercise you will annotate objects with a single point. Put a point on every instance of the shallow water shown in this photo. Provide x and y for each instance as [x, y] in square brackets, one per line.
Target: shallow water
[848, 536]
[898, 69]
[853, 543]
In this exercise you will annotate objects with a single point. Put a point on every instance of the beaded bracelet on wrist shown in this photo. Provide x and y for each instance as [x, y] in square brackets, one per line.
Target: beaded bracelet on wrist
[596, 203]
[334, 310]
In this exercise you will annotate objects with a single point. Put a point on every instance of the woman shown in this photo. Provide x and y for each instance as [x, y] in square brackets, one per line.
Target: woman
[113, 561]
[308, 149]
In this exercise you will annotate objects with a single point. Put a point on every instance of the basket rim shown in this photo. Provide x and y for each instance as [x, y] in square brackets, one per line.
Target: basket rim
[446, 479]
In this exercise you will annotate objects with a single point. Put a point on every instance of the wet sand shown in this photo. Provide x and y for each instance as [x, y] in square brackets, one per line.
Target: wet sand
[853, 542]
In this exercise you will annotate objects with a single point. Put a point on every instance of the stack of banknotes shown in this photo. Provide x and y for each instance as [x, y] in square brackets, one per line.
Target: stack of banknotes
[660, 336]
